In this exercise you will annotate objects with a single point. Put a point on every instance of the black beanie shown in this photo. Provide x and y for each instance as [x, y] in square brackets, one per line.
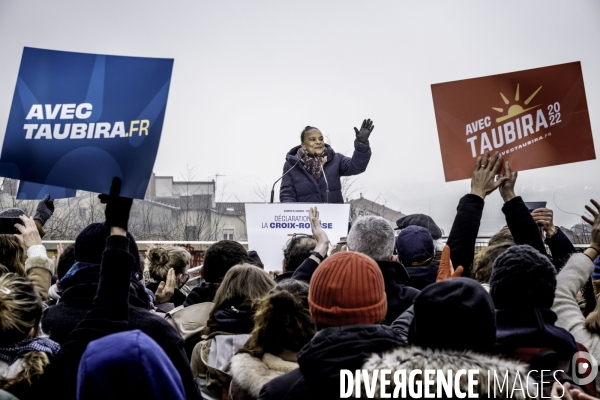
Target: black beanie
[91, 241]
[12, 213]
[455, 314]
[522, 277]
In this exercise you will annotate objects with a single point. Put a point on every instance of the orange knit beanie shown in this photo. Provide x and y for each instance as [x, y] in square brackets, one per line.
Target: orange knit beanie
[347, 289]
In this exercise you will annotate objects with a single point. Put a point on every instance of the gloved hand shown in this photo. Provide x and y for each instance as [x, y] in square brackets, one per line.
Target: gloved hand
[44, 210]
[117, 208]
[446, 270]
[365, 131]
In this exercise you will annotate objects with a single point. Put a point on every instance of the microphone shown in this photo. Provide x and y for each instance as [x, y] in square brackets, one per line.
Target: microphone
[326, 183]
[280, 178]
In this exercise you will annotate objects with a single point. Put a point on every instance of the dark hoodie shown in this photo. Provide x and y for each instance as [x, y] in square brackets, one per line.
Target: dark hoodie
[298, 185]
[135, 367]
[81, 287]
[532, 328]
[231, 320]
[321, 359]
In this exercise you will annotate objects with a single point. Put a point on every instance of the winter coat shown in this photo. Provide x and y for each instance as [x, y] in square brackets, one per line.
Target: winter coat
[561, 248]
[61, 319]
[416, 358]
[525, 328]
[190, 323]
[465, 228]
[107, 314]
[522, 225]
[305, 270]
[402, 324]
[463, 233]
[422, 275]
[227, 331]
[321, 359]
[526, 231]
[250, 374]
[39, 269]
[298, 185]
[203, 293]
[572, 277]
[400, 296]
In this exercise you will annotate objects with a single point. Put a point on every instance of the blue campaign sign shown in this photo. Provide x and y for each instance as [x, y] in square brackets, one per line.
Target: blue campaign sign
[37, 191]
[77, 120]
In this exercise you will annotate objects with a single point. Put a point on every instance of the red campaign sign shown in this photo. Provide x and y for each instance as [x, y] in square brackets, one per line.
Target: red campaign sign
[534, 118]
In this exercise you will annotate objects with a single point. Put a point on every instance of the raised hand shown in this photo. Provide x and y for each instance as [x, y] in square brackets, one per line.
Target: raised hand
[165, 290]
[595, 239]
[507, 189]
[44, 210]
[446, 270]
[318, 232]
[484, 180]
[117, 208]
[366, 128]
[545, 218]
[29, 234]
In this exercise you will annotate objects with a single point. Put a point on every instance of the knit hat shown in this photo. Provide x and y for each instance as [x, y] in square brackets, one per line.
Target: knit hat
[460, 303]
[11, 213]
[347, 289]
[414, 245]
[522, 277]
[420, 220]
[91, 241]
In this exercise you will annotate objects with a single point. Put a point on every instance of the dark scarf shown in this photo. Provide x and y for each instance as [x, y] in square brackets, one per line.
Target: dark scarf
[10, 354]
[312, 162]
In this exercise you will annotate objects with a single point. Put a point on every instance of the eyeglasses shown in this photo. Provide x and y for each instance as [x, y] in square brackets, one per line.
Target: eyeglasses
[295, 235]
[185, 278]
[299, 236]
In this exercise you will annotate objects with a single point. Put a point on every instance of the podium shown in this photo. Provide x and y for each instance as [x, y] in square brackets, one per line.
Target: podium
[270, 226]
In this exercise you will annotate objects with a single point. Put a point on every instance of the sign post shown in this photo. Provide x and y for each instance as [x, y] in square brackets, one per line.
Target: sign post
[270, 226]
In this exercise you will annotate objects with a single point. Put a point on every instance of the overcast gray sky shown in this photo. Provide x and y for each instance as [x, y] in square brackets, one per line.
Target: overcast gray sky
[248, 76]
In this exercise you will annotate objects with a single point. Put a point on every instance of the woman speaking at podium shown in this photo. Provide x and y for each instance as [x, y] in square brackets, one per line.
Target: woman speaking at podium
[312, 170]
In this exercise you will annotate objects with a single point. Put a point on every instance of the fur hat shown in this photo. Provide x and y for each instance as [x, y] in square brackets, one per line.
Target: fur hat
[522, 277]
[465, 311]
[347, 289]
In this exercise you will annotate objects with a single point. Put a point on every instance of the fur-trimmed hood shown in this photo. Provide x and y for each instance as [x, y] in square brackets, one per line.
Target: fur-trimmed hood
[252, 373]
[411, 358]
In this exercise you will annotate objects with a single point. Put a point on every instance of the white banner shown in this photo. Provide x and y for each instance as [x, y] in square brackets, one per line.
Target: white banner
[270, 226]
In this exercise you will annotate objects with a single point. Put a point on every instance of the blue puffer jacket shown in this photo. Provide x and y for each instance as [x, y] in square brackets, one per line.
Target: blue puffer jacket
[300, 186]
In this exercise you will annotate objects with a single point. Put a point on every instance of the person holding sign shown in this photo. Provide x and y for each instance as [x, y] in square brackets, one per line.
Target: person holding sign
[312, 170]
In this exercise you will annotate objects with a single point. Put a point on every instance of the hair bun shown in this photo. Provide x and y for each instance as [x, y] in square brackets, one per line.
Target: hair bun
[158, 255]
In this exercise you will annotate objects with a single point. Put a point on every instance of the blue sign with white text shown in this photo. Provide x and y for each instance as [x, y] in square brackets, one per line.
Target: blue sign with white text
[37, 191]
[77, 120]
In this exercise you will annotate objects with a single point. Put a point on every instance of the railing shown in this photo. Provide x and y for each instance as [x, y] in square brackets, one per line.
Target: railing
[480, 243]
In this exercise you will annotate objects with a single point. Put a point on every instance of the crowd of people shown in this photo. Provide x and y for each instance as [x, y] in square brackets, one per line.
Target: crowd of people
[104, 322]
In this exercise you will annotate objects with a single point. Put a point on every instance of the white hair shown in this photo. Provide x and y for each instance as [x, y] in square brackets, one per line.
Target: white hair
[372, 236]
